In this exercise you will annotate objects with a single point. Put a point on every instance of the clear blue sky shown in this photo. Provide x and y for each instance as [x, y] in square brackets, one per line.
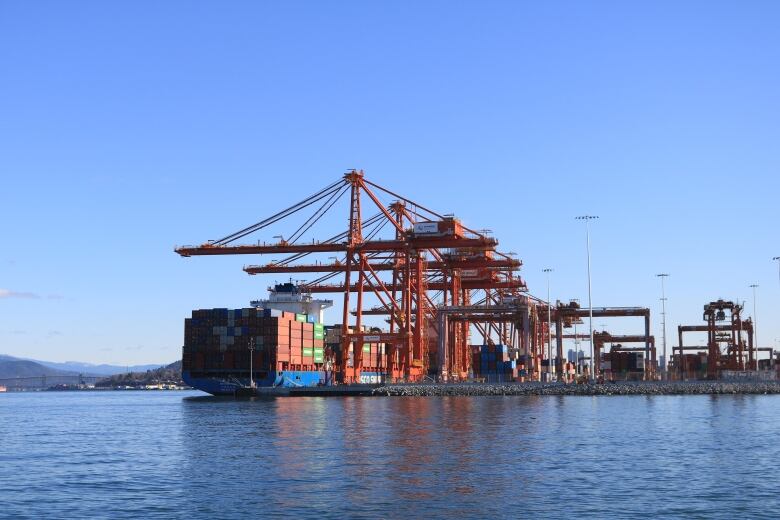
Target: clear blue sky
[129, 127]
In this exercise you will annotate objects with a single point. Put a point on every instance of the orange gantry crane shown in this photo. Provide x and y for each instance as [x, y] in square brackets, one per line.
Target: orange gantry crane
[429, 260]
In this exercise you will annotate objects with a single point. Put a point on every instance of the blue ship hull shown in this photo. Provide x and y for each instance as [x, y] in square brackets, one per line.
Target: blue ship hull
[285, 379]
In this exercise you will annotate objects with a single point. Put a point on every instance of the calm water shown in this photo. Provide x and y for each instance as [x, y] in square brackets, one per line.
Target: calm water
[183, 455]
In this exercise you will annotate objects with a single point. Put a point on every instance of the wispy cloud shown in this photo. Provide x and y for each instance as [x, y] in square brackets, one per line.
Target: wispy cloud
[8, 293]
[55, 333]
[55, 296]
[18, 332]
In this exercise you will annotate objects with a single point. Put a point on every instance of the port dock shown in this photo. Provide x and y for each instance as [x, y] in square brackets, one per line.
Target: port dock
[424, 297]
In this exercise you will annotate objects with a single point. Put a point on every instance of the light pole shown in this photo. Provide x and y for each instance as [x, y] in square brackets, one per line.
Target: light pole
[547, 271]
[587, 219]
[663, 320]
[754, 286]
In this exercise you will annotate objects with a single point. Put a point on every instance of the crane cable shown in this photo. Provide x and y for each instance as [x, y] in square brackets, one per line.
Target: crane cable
[318, 214]
[325, 192]
[340, 236]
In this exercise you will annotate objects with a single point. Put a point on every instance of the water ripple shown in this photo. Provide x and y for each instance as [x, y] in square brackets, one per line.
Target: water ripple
[174, 455]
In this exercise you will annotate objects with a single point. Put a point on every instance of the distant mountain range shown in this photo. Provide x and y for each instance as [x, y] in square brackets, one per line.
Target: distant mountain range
[11, 368]
[19, 367]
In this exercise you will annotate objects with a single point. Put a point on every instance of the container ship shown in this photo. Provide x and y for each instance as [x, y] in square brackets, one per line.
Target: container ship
[278, 346]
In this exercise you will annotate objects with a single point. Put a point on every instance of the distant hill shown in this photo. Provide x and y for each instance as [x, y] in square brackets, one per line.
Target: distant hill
[11, 367]
[167, 374]
[98, 370]
[87, 369]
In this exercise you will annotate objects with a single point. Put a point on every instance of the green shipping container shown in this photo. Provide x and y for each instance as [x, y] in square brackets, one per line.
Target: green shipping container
[319, 327]
[319, 359]
[308, 352]
[318, 351]
[366, 347]
[319, 335]
[300, 317]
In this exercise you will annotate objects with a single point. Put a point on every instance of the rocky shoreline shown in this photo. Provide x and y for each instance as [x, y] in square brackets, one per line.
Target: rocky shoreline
[625, 388]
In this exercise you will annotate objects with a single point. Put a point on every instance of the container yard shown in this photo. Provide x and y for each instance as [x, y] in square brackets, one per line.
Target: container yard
[446, 306]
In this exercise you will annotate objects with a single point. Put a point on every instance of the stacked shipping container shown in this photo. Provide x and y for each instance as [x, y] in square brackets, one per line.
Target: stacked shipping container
[691, 366]
[288, 349]
[218, 340]
[622, 365]
[492, 363]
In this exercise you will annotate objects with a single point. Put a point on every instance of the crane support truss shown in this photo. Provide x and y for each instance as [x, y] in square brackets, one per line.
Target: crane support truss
[617, 341]
[519, 326]
[726, 346]
[565, 314]
[430, 261]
